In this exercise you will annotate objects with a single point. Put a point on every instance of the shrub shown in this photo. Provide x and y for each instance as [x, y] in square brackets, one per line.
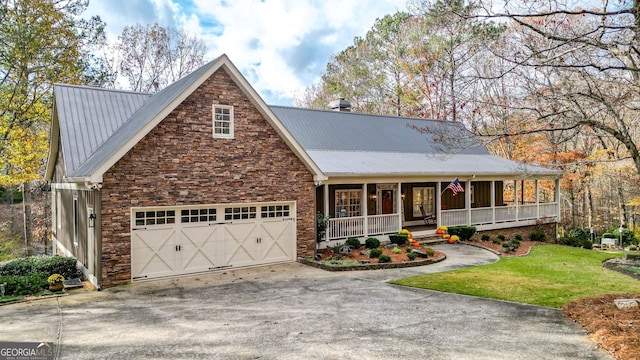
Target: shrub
[399, 239]
[515, 243]
[353, 242]
[32, 283]
[538, 235]
[569, 241]
[372, 243]
[429, 251]
[396, 250]
[464, 232]
[408, 249]
[412, 256]
[581, 234]
[65, 266]
[384, 259]
[485, 237]
[374, 253]
[501, 237]
[587, 244]
[518, 237]
[496, 241]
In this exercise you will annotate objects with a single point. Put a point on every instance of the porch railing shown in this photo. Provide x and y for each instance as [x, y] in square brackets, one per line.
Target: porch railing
[342, 228]
[482, 216]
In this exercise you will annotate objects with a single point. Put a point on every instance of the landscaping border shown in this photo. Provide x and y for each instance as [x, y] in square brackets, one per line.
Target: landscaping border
[397, 265]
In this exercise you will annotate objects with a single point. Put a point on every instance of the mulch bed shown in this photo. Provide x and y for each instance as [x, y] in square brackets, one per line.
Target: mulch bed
[525, 247]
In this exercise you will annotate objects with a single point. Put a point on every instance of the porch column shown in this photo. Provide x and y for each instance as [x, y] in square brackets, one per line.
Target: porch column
[326, 199]
[438, 204]
[557, 199]
[400, 202]
[493, 201]
[537, 200]
[365, 210]
[515, 198]
[467, 200]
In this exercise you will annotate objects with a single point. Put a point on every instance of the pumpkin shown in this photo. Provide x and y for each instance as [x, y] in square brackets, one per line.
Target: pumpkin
[451, 241]
[410, 240]
[404, 231]
[409, 234]
[439, 232]
[416, 244]
[455, 237]
[446, 236]
[443, 228]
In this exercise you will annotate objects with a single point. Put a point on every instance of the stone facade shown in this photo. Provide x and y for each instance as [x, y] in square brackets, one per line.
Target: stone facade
[180, 163]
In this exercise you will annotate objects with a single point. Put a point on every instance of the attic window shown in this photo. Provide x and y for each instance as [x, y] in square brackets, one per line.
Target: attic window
[223, 122]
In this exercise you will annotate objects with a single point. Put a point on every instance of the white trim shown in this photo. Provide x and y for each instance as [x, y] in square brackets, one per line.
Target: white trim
[230, 135]
[80, 186]
[226, 64]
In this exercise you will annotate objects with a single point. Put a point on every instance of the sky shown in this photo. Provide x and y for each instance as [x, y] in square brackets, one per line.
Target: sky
[280, 46]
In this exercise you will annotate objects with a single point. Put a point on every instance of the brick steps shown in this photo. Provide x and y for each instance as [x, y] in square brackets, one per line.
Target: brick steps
[430, 239]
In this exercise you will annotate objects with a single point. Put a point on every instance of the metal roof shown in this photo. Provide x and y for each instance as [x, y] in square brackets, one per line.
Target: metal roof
[88, 116]
[345, 143]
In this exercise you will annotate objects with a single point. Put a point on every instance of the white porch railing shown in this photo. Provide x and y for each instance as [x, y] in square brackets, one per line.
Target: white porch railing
[342, 228]
[383, 224]
[454, 217]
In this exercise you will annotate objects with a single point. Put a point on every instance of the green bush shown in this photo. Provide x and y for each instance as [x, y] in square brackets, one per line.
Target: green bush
[496, 241]
[518, 237]
[65, 266]
[515, 243]
[485, 237]
[627, 236]
[353, 242]
[399, 239]
[374, 253]
[581, 234]
[396, 250]
[538, 235]
[464, 232]
[372, 243]
[32, 283]
[412, 256]
[429, 251]
[384, 259]
[501, 237]
[587, 244]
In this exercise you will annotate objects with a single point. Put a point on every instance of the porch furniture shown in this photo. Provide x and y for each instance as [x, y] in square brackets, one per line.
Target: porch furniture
[428, 219]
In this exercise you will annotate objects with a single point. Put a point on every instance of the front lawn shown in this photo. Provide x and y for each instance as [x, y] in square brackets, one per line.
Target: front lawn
[551, 275]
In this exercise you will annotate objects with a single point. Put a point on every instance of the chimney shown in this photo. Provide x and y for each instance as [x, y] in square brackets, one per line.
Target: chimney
[340, 105]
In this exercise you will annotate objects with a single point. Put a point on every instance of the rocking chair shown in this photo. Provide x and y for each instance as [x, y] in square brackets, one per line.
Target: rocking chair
[428, 219]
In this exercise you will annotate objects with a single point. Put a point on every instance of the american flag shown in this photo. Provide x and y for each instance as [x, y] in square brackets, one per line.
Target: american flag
[455, 187]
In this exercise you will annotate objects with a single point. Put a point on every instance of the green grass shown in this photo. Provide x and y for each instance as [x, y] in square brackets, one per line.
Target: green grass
[551, 275]
[632, 269]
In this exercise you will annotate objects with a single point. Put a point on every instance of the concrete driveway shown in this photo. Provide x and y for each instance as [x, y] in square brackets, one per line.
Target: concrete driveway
[294, 311]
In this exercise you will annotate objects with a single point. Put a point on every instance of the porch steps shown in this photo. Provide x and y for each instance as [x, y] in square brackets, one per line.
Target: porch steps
[430, 239]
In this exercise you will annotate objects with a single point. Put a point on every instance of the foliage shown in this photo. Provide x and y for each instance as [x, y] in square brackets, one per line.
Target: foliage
[321, 225]
[65, 266]
[28, 284]
[429, 251]
[399, 239]
[412, 256]
[353, 242]
[627, 235]
[582, 234]
[152, 57]
[10, 246]
[518, 237]
[10, 195]
[384, 259]
[374, 253]
[55, 278]
[501, 237]
[550, 275]
[372, 243]
[485, 237]
[464, 232]
[538, 235]
[396, 250]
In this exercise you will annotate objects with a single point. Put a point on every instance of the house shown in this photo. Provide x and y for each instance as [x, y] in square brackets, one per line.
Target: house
[204, 176]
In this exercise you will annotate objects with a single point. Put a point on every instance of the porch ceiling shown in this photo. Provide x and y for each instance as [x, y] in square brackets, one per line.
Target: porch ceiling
[368, 163]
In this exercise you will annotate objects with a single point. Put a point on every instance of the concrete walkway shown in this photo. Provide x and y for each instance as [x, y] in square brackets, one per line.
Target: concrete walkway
[293, 311]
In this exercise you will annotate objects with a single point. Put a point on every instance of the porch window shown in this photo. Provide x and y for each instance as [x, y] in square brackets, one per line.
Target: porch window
[223, 122]
[423, 196]
[348, 203]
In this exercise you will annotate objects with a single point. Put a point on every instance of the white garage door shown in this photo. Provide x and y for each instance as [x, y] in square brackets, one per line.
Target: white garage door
[186, 240]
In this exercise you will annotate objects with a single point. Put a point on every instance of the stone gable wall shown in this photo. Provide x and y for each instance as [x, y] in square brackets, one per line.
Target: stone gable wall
[180, 163]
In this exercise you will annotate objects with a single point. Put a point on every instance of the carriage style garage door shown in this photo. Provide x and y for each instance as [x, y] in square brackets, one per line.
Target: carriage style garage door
[171, 241]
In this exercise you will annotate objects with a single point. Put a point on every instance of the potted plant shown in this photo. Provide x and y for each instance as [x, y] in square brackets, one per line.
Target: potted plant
[56, 282]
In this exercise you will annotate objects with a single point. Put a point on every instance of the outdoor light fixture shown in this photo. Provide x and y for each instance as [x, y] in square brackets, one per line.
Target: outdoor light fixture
[92, 220]
[373, 196]
[402, 196]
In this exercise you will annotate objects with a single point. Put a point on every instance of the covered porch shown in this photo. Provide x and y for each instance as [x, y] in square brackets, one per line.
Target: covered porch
[382, 207]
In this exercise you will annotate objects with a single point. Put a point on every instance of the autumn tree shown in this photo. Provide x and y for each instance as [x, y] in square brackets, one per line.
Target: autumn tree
[43, 42]
[151, 57]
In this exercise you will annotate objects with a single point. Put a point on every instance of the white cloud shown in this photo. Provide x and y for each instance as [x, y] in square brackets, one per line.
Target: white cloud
[280, 46]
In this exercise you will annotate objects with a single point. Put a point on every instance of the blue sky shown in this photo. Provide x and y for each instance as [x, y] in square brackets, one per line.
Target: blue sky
[280, 46]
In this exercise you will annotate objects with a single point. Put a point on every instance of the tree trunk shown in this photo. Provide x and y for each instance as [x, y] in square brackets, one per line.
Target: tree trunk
[26, 206]
[622, 207]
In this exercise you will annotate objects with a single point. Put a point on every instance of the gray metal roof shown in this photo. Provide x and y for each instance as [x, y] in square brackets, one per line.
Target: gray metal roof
[344, 143]
[88, 116]
[142, 117]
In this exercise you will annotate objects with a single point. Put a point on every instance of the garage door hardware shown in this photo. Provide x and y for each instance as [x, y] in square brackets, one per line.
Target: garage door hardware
[178, 247]
[259, 241]
[144, 228]
[139, 277]
[220, 267]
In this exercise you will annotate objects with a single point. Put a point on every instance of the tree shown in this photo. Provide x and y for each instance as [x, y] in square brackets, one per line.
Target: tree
[151, 57]
[42, 43]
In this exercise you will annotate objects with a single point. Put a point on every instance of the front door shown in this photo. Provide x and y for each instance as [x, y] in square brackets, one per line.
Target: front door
[387, 201]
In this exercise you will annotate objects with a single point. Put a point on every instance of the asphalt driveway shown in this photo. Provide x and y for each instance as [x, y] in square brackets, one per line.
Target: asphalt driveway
[293, 311]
